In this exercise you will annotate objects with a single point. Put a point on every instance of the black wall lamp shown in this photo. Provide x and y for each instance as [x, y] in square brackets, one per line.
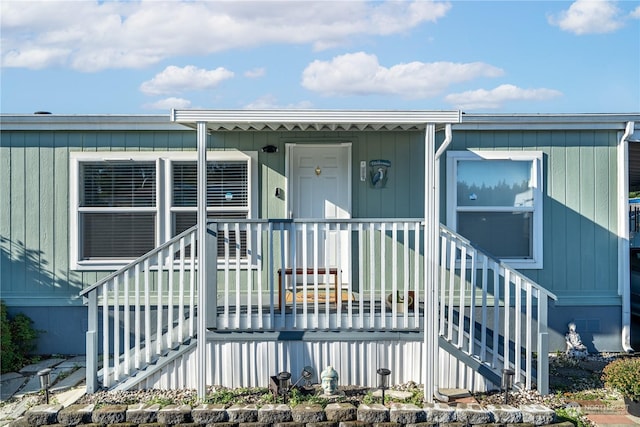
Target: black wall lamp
[269, 149]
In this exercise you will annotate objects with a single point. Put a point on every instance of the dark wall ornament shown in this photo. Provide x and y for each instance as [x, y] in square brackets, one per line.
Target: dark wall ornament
[379, 172]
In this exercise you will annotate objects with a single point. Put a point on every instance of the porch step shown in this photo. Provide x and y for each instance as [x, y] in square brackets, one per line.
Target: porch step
[149, 370]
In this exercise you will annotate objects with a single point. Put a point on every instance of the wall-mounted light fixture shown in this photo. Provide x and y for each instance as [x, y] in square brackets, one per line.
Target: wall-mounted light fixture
[269, 149]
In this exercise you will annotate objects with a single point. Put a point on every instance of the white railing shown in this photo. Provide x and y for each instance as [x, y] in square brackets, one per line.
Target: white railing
[319, 274]
[493, 313]
[146, 309]
[298, 275]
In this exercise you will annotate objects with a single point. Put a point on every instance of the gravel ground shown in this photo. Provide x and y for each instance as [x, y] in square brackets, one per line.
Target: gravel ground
[570, 381]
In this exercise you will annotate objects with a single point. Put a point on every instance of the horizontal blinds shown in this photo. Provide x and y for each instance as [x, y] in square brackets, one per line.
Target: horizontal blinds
[227, 184]
[118, 184]
[117, 235]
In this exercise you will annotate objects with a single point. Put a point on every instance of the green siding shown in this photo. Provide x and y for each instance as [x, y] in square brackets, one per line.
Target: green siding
[580, 255]
[580, 222]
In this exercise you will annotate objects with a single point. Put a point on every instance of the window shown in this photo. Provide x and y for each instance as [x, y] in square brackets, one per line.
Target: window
[122, 208]
[496, 203]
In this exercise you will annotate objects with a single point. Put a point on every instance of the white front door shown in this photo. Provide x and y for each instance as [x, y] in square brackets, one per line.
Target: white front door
[320, 188]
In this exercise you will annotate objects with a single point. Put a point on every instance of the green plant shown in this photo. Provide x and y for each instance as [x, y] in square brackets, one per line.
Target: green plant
[17, 339]
[161, 401]
[572, 415]
[623, 375]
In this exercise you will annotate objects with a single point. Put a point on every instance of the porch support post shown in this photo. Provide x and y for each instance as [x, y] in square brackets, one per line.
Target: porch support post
[430, 259]
[202, 261]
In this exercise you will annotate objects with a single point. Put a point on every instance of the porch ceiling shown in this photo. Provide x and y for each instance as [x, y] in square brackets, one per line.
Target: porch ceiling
[314, 120]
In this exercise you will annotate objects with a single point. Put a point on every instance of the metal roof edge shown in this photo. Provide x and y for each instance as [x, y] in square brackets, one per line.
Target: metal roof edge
[587, 121]
[317, 116]
[78, 122]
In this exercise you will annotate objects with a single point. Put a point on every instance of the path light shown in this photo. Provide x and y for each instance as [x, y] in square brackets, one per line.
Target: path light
[306, 375]
[284, 380]
[45, 381]
[507, 383]
[383, 380]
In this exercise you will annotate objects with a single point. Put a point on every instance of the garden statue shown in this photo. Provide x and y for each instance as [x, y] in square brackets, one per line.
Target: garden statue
[575, 348]
[329, 381]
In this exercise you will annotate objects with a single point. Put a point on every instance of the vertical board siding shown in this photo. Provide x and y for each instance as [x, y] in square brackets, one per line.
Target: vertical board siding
[34, 212]
[579, 187]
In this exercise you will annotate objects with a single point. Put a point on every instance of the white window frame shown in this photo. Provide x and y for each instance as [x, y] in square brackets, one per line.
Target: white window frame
[163, 209]
[536, 157]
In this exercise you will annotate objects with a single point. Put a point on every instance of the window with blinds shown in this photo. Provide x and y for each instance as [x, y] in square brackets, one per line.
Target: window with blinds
[117, 209]
[121, 209]
[227, 196]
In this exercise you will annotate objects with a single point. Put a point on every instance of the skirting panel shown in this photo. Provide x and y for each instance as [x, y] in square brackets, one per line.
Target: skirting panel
[251, 363]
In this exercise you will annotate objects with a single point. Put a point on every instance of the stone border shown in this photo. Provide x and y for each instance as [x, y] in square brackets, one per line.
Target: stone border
[281, 415]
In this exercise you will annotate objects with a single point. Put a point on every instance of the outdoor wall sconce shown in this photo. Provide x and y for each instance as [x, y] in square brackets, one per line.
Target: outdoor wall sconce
[269, 149]
[507, 383]
[45, 382]
[383, 380]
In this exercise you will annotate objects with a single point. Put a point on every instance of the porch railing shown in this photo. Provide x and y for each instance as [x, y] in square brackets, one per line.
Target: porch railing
[493, 313]
[352, 274]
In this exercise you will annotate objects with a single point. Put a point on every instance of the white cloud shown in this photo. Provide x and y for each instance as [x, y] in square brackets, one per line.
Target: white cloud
[168, 104]
[589, 17]
[495, 98]
[361, 74]
[92, 36]
[635, 14]
[255, 73]
[177, 80]
[270, 102]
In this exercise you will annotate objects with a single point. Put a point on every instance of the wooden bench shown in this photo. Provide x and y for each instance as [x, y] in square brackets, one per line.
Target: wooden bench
[308, 272]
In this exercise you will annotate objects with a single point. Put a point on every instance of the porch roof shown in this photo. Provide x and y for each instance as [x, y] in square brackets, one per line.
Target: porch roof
[315, 120]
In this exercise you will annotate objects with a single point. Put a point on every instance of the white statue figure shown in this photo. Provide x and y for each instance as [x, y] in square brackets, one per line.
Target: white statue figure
[329, 381]
[575, 348]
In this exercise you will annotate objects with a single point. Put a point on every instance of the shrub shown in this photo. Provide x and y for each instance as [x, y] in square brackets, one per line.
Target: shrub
[623, 375]
[17, 339]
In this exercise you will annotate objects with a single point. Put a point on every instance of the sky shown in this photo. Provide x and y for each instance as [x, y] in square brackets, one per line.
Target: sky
[146, 57]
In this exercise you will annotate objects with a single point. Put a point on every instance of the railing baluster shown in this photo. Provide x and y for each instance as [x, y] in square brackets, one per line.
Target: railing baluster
[192, 284]
[127, 325]
[159, 303]
[496, 313]
[452, 277]
[181, 291]
[350, 278]
[383, 277]
[258, 249]
[305, 265]
[529, 332]
[226, 240]
[462, 295]
[137, 325]
[316, 245]
[250, 253]
[405, 273]
[361, 242]
[517, 333]
[372, 276]
[327, 278]
[170, 297]
[116, 328]
[444, 244]
[472, 304]
[338, 246]
[236, 256]
[506, 333]
[106, 336]
[485, 290]
[147, 313]
[394, 276]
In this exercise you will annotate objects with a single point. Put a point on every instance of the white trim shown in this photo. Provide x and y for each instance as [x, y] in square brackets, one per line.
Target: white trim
[162, 210]
[536, 262]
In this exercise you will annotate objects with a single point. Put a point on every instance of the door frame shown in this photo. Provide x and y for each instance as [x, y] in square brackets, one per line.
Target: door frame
[289, 171]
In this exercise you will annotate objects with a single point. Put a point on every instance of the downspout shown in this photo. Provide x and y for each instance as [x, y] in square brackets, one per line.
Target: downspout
[432, 205]
[623, 236]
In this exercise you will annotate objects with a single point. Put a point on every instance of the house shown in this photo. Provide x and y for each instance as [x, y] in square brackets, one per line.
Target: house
[444, 246]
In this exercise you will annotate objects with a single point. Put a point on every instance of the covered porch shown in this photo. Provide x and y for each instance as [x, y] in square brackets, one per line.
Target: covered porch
[341, 280]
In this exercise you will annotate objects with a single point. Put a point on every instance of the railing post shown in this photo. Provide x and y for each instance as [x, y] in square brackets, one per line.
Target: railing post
[543, 345]
[92, 342]
[211, 285]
